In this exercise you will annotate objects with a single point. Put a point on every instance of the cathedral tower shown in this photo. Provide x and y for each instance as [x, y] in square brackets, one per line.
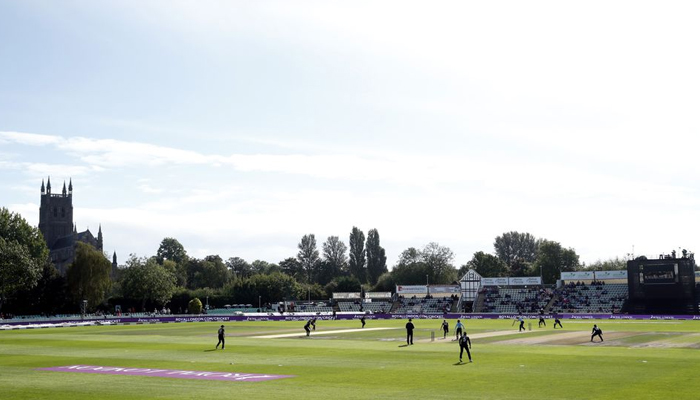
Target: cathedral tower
[56, 213]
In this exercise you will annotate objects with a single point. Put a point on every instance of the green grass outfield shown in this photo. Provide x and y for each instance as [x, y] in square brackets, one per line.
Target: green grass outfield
[638, 360]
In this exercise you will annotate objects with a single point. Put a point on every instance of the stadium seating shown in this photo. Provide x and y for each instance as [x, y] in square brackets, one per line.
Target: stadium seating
[374, 306]
[590, 298]
[514, 300]
[424, 306]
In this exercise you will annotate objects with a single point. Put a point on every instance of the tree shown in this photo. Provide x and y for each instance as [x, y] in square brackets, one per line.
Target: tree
[569, 260]
[343, 284]
[264, 267]
[23, 254]
[552, 260]
[17, 270]
[357, 254]
[313, 291]
[145, 279]
[439, 259]
[434, 262]
[194, 306]
[89, 275]
[170, 249]
[334, 254]
[292, 267]
[611, 264]
[376, 257]
[209, 272]
[308, 256]
[239, 267]
[334, 260]
[385, 283]
[520, 268]
[512, 247]
[413, 273]
[327, 271]
[486, 265]
[169, 265]
[409, 256]
[272, 287]
[48, 297]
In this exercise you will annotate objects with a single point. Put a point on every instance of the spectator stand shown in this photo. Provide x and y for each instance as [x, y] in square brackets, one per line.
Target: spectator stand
[374, 302]
[590, 297]
[425, 304]
[523, 299]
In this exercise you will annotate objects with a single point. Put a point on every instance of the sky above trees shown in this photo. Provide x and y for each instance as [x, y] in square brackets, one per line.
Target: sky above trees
[240, 127]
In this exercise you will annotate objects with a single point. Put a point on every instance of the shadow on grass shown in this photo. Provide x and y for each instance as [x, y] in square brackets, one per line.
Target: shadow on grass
[210, 350]
[403, 345]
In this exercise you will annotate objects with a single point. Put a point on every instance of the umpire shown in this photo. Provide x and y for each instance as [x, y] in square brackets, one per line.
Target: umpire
[409, 332]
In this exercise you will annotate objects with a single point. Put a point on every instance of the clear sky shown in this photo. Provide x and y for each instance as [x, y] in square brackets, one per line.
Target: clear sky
[239, 126]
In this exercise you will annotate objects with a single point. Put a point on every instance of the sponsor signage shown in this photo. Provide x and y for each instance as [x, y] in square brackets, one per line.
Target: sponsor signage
[603, 275]
[573, 276]
[591, 275]
[444, 289]
[411, 289]
[494, 281]
[521, 281]
[526, 280]
[347, 295]
[168, 373]
[346, 316]
[377, 295]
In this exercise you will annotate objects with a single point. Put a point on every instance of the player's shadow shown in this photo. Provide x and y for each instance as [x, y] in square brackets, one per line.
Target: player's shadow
[210, 350]
[403, 345]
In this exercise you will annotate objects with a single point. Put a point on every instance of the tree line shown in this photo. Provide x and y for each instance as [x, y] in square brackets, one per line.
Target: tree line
[172, 277]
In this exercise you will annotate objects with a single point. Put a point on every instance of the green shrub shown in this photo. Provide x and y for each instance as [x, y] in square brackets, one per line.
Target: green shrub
[194, 306]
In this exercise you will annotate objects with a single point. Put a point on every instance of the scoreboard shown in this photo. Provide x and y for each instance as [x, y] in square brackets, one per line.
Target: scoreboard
[669, 279]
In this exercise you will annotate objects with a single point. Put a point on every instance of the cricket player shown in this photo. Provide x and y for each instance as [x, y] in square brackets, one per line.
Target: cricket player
[596, 332]
[458, 330]
[465, 344]
[307, 327]
[445, 328]
[221, 342]
[557, 322]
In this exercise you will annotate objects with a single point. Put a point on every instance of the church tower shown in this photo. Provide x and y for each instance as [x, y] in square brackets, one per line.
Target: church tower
[99, 238]
[56, 212]
[115, 266]
[60, 232]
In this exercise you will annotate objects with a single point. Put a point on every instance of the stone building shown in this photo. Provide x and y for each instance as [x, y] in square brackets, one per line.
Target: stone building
[59, 230]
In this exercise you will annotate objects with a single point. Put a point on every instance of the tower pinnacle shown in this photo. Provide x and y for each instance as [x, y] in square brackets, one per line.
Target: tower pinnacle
[99, 238]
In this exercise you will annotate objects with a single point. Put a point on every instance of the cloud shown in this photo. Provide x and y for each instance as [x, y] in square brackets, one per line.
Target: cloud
[110, 153]
[30, 139]
[519, 175]
[42, 170]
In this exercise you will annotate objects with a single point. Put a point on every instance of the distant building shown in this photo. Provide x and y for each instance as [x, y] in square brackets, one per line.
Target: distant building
[59, 230]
